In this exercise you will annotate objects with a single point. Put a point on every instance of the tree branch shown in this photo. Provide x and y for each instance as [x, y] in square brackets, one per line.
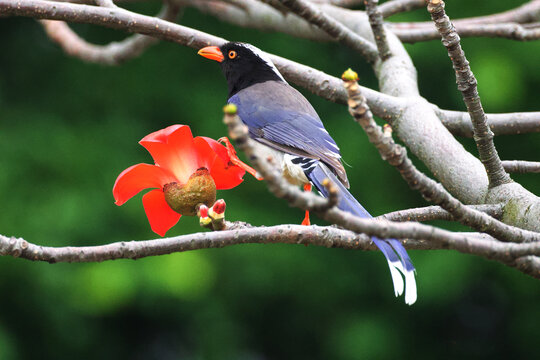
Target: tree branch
[105, 3]
[287, 234]
[529, 265]
[394, 7]
[330, 237]
[459, 123]
[466, 81]
[336, 30]
[430, 213]
[521, 167]
[114, 53]
[526, 13]
[512, 31]
[340, 3]
[376, 22]
[396, 155]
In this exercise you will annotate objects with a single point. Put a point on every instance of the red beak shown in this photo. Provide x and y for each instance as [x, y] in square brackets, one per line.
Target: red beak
[212, 53]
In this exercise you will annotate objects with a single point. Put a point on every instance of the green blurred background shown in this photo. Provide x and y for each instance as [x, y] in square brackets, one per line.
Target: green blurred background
[68, 128]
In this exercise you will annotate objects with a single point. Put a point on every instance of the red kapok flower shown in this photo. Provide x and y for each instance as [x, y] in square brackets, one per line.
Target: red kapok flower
[187, 173]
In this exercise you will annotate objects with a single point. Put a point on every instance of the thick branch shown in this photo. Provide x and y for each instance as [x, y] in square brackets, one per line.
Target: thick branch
[466, 81]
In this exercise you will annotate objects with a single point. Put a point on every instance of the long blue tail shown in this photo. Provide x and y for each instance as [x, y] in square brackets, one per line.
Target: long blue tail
[396, 255]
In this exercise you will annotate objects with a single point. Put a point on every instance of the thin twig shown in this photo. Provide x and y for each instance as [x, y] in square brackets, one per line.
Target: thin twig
[459, 123]
[394, 7]
[376, 22]
[512, 31]
[430, 213]
[527, 13]
[466, 81]
[396, 155]
[114, 53]
[340, 3]
[332, 27]
[521, 166]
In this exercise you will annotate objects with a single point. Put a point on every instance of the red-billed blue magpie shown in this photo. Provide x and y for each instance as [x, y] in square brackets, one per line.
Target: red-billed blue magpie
[282, 120]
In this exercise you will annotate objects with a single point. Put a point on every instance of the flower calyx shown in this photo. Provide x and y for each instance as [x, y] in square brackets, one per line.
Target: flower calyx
[199, 189]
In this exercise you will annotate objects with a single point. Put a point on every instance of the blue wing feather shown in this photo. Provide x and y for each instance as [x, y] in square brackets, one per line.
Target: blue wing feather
[279, 116]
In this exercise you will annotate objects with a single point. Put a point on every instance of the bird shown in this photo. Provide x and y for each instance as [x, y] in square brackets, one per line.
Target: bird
[288, 129]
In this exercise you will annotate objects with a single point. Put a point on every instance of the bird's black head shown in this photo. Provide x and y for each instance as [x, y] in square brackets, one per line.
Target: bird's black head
[242, 64]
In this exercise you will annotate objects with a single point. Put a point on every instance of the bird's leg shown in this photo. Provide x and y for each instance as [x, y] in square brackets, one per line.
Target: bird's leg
[306, 221]
[236, 161]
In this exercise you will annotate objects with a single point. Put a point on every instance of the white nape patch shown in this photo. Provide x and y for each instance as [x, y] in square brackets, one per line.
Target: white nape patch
[263, 57]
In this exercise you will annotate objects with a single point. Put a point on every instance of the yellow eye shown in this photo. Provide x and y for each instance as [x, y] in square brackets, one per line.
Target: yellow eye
[232, 54]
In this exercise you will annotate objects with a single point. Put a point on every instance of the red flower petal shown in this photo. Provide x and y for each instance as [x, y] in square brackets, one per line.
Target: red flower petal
[160, 216]
[163, 134]
[225, 176]
[218, 148]
[172, 149]
[206, 156]
[139, 177]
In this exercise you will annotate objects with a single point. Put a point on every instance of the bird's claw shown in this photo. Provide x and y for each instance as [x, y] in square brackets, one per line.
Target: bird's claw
[236, 161]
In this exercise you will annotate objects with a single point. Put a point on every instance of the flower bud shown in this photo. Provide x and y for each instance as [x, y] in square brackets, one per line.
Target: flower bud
[199, 189]
[349, 75]
[218, 210]
[229, 109]
[204, 219]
